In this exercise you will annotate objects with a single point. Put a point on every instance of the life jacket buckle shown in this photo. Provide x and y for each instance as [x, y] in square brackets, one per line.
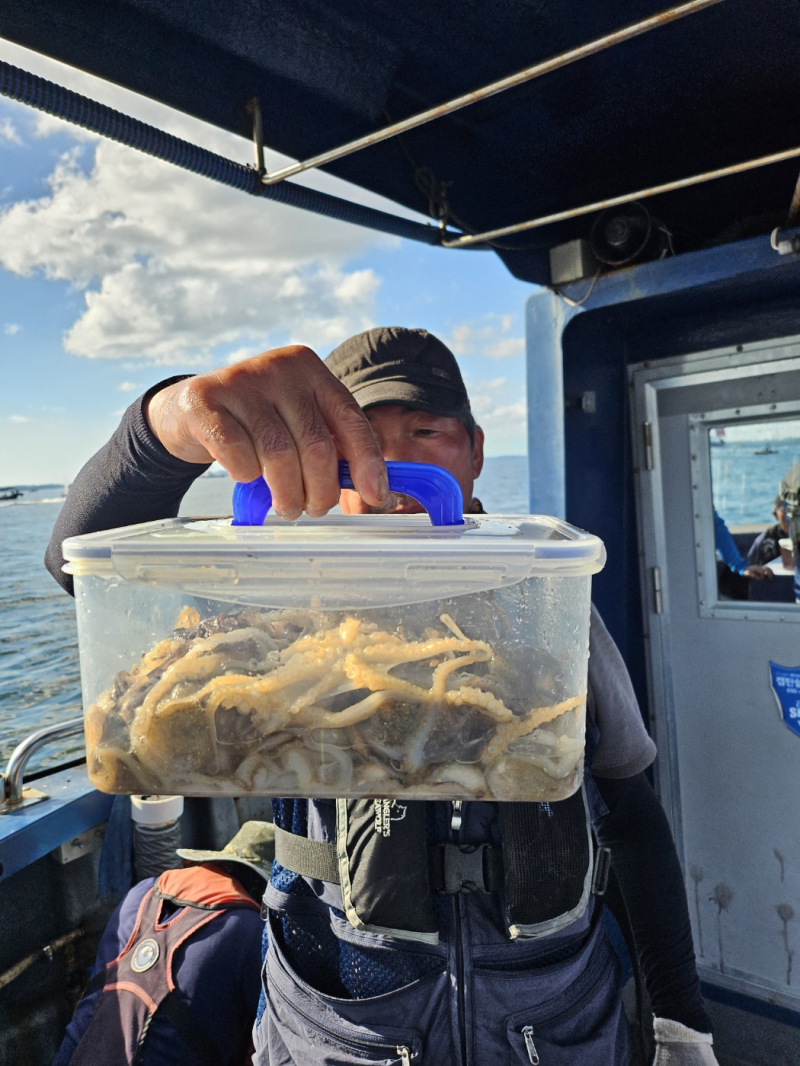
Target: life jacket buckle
[465, 868]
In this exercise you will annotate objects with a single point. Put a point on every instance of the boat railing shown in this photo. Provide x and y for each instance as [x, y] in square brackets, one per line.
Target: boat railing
[13, 791]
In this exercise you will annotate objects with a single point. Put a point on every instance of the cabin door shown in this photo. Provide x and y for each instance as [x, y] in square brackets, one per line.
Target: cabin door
[713, 435]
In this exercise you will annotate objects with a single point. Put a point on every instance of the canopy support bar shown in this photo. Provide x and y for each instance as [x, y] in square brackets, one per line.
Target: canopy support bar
[626, 198]
[98, 118]
[636, 29]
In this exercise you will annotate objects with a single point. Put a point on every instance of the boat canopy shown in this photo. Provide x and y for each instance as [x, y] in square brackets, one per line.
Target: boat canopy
[716, 87]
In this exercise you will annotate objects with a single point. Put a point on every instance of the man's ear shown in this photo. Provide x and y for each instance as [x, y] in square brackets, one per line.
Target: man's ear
[477, 453]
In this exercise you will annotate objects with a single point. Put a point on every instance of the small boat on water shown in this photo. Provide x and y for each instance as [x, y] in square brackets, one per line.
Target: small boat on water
[10, 494]
[766, 451]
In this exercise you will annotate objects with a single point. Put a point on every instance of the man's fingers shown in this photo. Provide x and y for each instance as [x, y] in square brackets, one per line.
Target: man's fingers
[281, 415]
[225, 440]
[278, 460]
[357, 444]
[316, 451]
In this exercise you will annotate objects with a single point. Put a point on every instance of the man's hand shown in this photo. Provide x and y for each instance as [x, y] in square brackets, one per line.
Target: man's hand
[281, 414]
[759, 573]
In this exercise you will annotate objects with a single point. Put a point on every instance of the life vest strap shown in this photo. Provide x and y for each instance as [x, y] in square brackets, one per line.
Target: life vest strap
[454, 868]
[309, 858]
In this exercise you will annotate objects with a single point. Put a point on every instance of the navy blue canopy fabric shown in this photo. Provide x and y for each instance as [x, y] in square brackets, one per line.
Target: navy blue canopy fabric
[716, 88]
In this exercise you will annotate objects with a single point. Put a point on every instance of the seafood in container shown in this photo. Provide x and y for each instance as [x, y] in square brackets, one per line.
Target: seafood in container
[346, 656]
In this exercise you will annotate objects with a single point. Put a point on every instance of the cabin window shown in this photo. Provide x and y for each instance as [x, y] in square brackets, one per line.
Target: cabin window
[746, 479]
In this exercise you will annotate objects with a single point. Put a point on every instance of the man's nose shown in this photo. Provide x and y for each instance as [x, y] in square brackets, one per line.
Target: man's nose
[401, 451]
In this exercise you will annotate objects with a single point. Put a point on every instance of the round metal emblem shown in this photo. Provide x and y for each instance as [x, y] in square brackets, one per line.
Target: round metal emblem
[145, 956]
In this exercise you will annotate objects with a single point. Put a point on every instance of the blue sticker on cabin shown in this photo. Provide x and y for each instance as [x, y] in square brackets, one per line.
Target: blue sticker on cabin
[786, 686]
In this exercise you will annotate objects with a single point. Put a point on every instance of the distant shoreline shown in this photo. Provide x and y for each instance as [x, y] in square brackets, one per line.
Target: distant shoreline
[208, 474]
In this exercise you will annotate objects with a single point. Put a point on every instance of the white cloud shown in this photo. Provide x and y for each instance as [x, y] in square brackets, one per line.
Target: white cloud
[11, 328]
[173, 265]
[500, 412]
[127, 386]
[245, 352]
[492, 336]
[45, 125]
[18, 418]
[8, 132]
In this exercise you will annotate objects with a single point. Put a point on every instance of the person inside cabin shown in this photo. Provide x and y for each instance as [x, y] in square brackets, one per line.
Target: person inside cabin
[732, 557]
[459, 961]
[789, 492]
[176, 977]
[766, 545]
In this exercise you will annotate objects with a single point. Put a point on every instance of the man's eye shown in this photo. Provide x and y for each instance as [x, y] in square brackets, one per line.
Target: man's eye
[425, 432]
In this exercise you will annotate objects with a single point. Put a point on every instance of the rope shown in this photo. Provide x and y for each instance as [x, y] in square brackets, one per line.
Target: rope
[62, 103]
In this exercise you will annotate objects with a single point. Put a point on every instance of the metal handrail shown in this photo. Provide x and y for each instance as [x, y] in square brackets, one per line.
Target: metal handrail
[20, 756]
[615, 201]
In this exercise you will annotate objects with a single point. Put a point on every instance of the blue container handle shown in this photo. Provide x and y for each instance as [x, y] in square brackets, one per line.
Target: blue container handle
[435, 488]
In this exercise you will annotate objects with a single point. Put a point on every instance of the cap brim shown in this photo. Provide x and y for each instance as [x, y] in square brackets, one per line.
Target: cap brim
[437, 401]
[218, 856]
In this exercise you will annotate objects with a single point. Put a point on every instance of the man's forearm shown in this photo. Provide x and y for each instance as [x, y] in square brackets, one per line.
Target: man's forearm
[131, 479]
[646, 864]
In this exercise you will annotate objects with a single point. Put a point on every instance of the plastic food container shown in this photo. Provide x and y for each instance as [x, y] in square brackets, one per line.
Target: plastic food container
[346, 656]
[787, 552]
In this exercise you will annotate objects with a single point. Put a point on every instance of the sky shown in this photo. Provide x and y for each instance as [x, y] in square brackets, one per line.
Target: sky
[118, 270]
[770, 429]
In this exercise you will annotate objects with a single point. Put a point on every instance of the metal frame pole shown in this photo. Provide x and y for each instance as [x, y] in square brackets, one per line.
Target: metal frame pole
[664, 18]
[626, 198]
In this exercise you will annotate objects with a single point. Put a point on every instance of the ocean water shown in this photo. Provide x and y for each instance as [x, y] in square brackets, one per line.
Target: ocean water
[39, 674]
[745, 481]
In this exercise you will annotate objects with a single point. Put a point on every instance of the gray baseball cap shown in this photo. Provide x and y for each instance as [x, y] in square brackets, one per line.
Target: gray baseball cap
[253, 846]
[391, 364]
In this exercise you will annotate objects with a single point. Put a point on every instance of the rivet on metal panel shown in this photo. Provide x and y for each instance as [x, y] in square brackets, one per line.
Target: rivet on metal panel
[86, 842]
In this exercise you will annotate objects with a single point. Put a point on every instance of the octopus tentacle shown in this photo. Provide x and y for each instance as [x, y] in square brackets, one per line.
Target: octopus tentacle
[277, 675]
[507, 734]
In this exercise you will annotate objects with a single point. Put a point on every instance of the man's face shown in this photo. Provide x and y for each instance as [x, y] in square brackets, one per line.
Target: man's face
[410, 436]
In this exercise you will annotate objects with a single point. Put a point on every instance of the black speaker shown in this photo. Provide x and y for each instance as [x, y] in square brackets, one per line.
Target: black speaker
[629, 233]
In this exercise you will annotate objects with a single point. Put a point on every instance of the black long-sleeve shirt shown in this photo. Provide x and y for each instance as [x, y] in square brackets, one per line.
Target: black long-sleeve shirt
[133, 478]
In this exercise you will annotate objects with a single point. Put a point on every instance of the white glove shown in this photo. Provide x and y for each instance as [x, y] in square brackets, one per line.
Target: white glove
[678, 1045]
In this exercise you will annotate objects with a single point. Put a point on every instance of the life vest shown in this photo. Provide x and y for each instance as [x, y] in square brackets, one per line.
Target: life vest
[545, 866]
[140, 981]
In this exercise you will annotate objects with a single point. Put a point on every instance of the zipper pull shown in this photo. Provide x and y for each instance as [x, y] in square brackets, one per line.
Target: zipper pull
[455, 821]
[533, 1054]
[405, 1055]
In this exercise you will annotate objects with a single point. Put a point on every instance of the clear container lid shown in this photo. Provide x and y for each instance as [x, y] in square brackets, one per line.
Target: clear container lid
[339, 561]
